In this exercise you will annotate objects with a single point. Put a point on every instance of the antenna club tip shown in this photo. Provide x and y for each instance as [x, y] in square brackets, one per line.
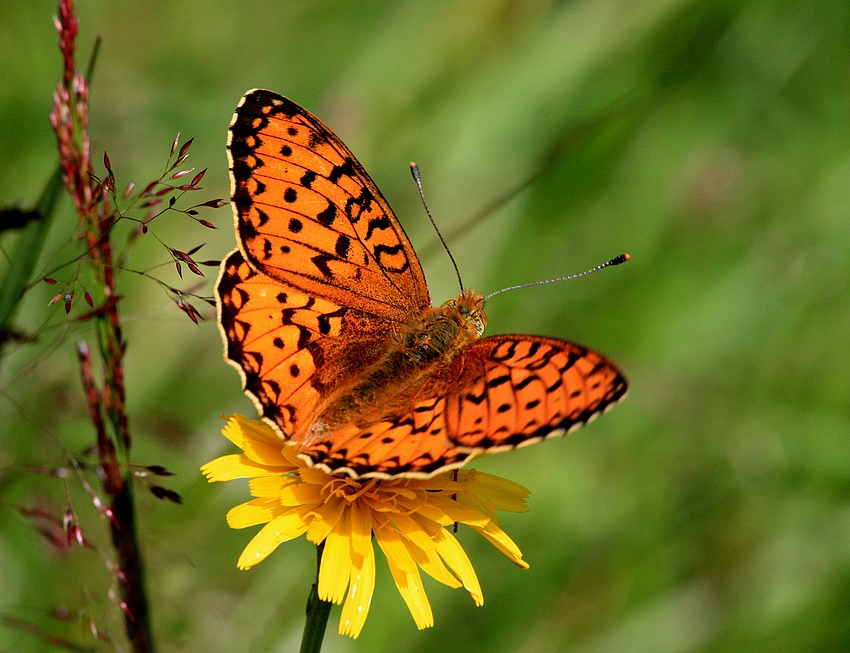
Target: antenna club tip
[622, 258]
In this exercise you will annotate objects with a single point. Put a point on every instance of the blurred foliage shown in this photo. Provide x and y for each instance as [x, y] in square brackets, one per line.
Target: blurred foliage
[709, 139]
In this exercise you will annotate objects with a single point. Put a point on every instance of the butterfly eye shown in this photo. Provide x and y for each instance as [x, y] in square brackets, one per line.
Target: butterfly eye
[467, 311]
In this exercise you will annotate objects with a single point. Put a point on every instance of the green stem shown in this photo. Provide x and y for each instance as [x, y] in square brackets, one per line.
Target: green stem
[318, 612]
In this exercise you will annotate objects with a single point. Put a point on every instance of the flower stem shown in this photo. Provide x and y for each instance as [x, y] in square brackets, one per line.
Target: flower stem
[318, 612]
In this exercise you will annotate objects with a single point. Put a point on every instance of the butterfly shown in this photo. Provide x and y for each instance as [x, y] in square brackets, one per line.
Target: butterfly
[325, 313]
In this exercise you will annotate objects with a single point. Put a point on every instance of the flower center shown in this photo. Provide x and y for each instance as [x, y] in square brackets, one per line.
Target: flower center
[347, 488]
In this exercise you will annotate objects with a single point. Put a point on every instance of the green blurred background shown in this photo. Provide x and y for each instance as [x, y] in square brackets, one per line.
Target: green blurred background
[708, 138]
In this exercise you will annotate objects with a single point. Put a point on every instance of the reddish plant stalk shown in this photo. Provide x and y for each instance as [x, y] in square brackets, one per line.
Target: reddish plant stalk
[106, 402]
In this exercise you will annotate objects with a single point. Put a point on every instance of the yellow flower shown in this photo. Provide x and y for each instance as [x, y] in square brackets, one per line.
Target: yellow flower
[409, 518]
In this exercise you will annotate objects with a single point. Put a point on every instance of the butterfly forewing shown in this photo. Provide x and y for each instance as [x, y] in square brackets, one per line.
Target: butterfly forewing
[289, 346]
[308, 214]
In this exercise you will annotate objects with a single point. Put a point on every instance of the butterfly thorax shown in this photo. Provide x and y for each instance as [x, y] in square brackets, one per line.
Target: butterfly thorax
[424, 344]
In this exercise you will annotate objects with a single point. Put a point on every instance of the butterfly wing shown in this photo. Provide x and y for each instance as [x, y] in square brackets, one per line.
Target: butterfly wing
[308, 214]
[515, 390]
[499, 393]
[291, 349]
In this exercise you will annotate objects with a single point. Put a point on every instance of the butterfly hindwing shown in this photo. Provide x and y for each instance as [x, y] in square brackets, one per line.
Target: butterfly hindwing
[499, 393]
[513, 390]
[309, 216]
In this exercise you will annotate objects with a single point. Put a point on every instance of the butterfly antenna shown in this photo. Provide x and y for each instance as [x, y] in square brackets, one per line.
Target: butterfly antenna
[622, 258]
[414, 170]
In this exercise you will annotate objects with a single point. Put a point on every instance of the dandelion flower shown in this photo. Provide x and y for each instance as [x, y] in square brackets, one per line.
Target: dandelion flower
[410, 519]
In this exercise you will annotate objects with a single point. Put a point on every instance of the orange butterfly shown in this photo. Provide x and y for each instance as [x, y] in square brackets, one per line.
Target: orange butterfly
[325, 312]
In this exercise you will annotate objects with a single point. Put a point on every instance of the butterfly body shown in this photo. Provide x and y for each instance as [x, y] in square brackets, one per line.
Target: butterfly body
[325, 313]
[412, 357]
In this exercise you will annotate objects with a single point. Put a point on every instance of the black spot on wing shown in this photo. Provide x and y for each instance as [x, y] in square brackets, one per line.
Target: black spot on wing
[343, 243]
[324, 320]
[497, 381]
[356, 206]
[390, 250]
[380, 223]
[321, 262]
[328, 214]
[475, 399]
[308, 178]
[521, 385]
[346, 169]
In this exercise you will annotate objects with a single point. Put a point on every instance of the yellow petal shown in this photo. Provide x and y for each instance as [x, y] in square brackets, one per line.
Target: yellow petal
[394, 548]
[299, 493]
[233, 466]
[266, 454]
[270, 486]
[314, 476]
[410, 587]
[405, 574]
[359, 599]
[452, 552]
[361, 531]
[336, 568]
[239, 428]
[498, 538]
[324, 518]
[504, 494]
[435, 514]
[418, 538]
[453, 512]
[256, 511]
[280, 529]
[438, 571]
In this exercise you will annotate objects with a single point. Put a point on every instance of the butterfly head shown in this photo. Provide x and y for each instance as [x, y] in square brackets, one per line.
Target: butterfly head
[470, 306]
